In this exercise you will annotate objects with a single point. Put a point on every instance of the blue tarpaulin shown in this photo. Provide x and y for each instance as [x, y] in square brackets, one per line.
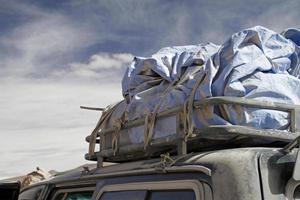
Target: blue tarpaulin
[255, 63]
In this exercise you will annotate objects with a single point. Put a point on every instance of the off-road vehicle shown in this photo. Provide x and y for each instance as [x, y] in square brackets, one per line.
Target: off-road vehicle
[233, 163]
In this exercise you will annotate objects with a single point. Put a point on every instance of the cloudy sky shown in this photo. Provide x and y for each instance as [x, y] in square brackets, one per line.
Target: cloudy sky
[58, 55]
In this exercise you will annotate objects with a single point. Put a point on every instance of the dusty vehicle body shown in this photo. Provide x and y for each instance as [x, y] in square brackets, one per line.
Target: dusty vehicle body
[254, 173]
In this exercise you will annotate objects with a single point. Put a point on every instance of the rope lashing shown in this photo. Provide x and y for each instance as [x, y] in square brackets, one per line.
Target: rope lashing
[117, 125]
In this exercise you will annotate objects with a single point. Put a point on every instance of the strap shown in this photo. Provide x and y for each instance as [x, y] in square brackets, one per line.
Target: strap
[117, 125]
[185, 119]
[150, 118]
[149, 129]
[188, 109]
[146, 131]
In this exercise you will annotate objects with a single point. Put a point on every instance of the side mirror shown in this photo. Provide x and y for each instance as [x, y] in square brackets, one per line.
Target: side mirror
[10, 191]
[287, 149]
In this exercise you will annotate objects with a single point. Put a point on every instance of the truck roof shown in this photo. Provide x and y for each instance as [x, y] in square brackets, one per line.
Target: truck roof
[211, 161]
[240, 171]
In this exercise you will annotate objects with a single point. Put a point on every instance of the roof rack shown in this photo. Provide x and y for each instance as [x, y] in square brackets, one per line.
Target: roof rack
[181, 145]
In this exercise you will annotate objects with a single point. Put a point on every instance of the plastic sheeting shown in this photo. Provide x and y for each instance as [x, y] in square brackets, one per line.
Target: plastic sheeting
[255, 63]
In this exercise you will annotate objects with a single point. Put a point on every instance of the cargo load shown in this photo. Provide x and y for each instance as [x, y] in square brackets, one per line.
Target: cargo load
[243, 92]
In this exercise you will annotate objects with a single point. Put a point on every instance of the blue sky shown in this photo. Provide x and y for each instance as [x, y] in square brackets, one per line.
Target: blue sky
[58, 55]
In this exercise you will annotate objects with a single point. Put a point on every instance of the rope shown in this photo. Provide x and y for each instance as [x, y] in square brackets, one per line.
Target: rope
[166, 160]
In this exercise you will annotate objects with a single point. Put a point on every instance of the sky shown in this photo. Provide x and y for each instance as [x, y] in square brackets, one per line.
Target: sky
[58, 55]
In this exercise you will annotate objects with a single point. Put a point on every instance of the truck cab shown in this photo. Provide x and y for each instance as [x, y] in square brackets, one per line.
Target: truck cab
[236, 174]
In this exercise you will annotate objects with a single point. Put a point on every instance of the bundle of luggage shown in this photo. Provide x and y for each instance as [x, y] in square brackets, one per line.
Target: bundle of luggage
[166, 96]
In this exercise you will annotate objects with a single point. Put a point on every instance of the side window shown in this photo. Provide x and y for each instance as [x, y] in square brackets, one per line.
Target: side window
[31, 193]
[124, 195]
[172, 194]
[76, 196]
[73, 194]
[60, 196]
[161, 190]
[150, 195]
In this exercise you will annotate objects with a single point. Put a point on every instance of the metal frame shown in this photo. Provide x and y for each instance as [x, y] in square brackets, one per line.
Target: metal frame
[194, 185]
[177, 140]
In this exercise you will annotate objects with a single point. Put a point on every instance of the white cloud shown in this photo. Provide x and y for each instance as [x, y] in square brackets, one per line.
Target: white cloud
[99, 62]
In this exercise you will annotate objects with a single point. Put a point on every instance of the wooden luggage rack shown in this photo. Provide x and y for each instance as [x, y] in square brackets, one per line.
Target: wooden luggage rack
[180, 144]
